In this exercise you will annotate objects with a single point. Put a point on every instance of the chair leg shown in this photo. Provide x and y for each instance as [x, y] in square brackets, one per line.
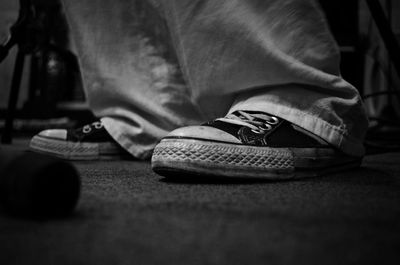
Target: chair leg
[13, 98]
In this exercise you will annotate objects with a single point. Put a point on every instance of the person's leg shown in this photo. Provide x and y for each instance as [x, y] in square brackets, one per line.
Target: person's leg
[271, 56]
[131, 77]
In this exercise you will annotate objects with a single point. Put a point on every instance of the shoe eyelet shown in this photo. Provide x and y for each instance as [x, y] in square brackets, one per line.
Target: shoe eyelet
[98, 125]
[273, 121]
[86, 129]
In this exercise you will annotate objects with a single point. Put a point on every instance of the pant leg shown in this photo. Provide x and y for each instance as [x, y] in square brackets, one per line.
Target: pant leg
[276, 56]
[130, 71]
[272, 55]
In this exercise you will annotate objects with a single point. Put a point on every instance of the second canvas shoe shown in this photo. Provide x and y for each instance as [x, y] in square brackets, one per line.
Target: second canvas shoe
[247, 144]
[90, 142]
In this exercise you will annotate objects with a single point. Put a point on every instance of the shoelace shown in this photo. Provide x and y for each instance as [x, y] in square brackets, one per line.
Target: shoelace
[257, 122]
[88, 128]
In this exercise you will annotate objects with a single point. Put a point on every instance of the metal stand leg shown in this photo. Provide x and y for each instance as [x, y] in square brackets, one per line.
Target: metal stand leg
[13, 98]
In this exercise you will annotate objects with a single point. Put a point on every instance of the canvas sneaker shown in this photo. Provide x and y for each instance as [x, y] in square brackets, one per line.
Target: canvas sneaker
[247, 144]
[90, 142]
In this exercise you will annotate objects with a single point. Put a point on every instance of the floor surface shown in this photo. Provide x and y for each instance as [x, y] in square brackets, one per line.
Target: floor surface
[129, 215]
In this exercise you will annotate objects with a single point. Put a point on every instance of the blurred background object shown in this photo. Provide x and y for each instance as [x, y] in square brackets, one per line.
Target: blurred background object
[51, 75]
[379, 45]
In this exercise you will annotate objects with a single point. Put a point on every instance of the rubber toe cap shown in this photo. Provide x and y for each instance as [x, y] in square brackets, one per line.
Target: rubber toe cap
[59, 134]
[203, 133]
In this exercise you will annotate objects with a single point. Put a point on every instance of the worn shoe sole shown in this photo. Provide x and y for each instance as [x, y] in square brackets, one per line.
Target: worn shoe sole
[77, 150]
[173, 157]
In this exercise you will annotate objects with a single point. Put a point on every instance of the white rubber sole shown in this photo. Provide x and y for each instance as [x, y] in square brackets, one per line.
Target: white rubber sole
[76, 150]
[172, 157]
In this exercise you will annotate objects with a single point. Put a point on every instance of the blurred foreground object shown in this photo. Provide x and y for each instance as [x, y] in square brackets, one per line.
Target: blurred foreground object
[36, 185]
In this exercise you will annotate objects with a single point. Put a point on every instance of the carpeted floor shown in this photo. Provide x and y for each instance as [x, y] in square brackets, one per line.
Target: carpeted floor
[129, 215]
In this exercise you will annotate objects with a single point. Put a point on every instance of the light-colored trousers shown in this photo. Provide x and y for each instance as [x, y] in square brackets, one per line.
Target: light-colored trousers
[150, 66]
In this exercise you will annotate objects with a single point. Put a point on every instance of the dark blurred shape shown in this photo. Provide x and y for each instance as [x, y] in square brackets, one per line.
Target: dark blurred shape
[36, 185]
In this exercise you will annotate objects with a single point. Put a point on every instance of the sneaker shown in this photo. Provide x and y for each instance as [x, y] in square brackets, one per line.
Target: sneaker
[90, 142]
[247, 144]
